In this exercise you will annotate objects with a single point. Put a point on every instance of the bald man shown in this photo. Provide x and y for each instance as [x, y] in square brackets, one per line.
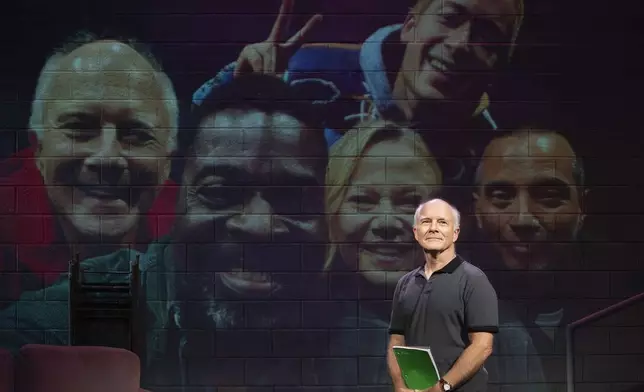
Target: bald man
[528, 205]
[446, 304]
[528, 197]
[104, 122]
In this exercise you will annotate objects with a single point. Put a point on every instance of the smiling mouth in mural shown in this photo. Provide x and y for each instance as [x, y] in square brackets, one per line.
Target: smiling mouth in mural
[520, 248]
[387, 255]
[108, 196]
[526, 245]
[246, 282]
[437, 64]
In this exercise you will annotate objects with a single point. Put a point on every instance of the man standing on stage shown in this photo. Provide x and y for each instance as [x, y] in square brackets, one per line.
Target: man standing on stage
[447, 305]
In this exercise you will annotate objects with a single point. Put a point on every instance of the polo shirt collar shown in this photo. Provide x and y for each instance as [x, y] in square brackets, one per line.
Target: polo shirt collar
[447, 269]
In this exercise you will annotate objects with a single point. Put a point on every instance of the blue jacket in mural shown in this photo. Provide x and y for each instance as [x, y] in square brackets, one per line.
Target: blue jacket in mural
[349, 81]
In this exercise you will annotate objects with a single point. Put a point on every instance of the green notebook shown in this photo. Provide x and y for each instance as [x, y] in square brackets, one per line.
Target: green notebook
[417, 367]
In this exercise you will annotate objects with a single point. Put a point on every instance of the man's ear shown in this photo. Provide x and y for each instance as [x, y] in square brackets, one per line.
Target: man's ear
[415, 232]
[408, 30]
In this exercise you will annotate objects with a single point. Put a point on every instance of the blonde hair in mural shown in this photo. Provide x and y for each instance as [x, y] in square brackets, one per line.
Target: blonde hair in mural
[344, 158]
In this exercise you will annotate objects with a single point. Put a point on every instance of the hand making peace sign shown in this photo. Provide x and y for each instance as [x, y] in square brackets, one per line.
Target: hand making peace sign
[272, 55]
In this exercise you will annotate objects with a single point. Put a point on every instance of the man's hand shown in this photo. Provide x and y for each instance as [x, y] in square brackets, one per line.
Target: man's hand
[435, 388]
[272, 55]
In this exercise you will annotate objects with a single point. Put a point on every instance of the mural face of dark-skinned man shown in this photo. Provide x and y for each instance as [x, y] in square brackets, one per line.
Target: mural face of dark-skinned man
[528, 197]
[451, 45]
[104, 138]
[243, 198]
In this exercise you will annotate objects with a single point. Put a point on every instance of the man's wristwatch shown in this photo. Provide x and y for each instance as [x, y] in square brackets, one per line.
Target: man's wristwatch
[445, 386]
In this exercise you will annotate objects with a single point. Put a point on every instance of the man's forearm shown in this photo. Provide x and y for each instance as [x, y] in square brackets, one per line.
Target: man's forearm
[470, 361]
[394, 369]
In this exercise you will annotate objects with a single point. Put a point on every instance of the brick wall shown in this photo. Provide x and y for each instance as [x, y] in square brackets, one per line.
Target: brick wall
[325, 332]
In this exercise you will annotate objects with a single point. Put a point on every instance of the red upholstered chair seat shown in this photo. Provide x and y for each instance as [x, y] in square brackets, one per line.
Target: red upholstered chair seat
[42, 368]
[6, 371]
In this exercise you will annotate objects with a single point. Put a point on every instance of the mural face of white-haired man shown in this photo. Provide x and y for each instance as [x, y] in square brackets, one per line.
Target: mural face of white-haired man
[105, 118]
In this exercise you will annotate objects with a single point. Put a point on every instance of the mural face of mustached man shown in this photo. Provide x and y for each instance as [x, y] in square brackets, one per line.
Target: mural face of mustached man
[528, 198]
[244, 196]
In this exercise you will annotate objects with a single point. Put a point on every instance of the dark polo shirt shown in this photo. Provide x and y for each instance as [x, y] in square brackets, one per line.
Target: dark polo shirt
[439, 312]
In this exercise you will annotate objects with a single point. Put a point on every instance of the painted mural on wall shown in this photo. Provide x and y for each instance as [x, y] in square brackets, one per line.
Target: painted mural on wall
[265, 166]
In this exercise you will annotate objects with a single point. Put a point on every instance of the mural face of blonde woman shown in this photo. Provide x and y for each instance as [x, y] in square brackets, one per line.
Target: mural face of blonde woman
[378, 210]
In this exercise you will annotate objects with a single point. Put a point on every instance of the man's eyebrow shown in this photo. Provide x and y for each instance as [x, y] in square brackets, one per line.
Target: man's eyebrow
[77, 115]
[539, 181]
[497, 18]
[461, 8]
[498, 184]
[138, 123]
[424, 218]
[551, 181]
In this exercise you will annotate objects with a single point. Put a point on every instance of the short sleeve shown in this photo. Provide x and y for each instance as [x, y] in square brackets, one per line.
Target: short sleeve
[397, 321]
[481, 305]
